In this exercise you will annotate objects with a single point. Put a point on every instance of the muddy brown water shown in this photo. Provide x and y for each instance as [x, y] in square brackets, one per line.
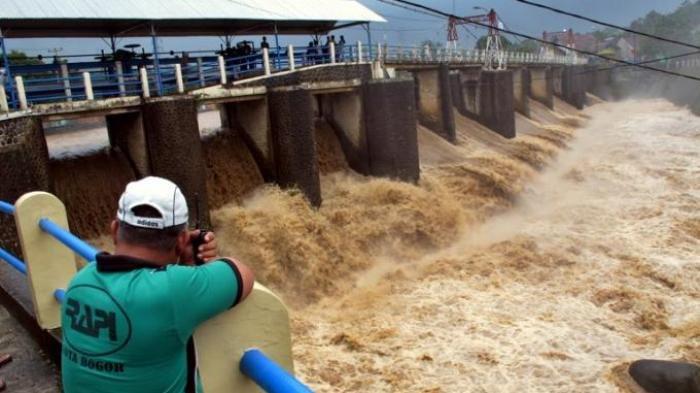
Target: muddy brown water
[541, 264]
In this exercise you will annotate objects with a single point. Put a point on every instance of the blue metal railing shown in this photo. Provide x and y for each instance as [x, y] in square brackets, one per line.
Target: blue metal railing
[13, 261]
[7, 208]
[69, 240]
[6, 255]
[269, 375]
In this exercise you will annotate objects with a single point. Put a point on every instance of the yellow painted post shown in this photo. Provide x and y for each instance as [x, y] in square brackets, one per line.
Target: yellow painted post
[145, 87]
[4, 108]
[262, 322]
[50, 265]
[178, 79]
[21, 93]
[266, 61]
[290, 55]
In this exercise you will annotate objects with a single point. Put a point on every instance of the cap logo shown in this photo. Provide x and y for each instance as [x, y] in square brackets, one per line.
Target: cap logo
[148, 223]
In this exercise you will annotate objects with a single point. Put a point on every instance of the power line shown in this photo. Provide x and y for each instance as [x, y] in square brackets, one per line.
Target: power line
[578, 16]
[628, 63]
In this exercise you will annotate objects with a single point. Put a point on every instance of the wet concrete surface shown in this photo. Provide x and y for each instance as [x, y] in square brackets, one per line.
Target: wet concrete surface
[30, 370]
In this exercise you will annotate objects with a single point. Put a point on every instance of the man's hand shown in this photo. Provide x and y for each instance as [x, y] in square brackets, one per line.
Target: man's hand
[207, 251]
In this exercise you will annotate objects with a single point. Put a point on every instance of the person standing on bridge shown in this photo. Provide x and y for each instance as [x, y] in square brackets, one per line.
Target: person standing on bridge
[128, 318]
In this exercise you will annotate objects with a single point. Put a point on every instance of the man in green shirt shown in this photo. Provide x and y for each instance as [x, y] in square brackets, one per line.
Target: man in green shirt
[128, 318]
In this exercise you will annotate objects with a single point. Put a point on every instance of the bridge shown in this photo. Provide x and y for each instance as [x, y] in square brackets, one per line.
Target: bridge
[59, 88]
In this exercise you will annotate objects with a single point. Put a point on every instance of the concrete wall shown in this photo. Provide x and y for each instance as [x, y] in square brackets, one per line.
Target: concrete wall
[294, 146]
[542, 86]
[24, 167]
[390, 121]
[573, 86]
[496, 103]
[521, 90]
[434, 100]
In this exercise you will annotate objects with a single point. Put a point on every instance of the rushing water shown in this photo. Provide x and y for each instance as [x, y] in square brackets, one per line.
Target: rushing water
[492, 276]
[540, 264]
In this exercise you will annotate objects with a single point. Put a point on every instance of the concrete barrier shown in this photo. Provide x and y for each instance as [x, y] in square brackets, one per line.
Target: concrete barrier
[294, 147]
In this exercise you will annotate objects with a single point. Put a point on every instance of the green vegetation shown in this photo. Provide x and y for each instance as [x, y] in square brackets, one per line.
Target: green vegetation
[683, 25]
[21, 58]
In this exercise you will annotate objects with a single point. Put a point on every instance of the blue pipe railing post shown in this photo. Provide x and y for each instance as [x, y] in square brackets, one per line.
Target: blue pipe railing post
[68, 239]
[369, 41]
[268, 375]
[156, 60]
[7, 208]
[13, 261]
[59, 294]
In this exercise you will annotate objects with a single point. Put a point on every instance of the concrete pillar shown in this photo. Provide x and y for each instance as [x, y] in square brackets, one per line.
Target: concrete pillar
[25, 168]
[390, 127]
[497, 106]
[542, 86]
[251, 119]
[435, 101]
[573, 86]
[521, 90]
[293, 141]
[127, 134]
[175, 148]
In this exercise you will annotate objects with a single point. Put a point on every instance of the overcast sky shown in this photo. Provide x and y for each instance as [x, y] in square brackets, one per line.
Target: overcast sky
[407, 27]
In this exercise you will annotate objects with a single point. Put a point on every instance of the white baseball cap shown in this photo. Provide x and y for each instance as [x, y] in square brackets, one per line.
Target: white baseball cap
[158, 193]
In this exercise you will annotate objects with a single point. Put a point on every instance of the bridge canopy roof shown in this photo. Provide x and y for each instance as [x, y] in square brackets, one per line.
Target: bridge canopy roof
[104, 18]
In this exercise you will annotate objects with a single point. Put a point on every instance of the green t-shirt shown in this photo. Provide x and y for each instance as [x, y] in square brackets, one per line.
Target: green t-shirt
[127, 323]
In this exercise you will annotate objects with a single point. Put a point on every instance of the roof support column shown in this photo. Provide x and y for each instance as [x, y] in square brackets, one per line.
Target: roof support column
[369, 40]
[277, 50]
[8, 74]
[156, 60]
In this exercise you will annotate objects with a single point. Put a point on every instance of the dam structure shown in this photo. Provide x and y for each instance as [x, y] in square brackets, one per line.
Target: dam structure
[283, 117]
